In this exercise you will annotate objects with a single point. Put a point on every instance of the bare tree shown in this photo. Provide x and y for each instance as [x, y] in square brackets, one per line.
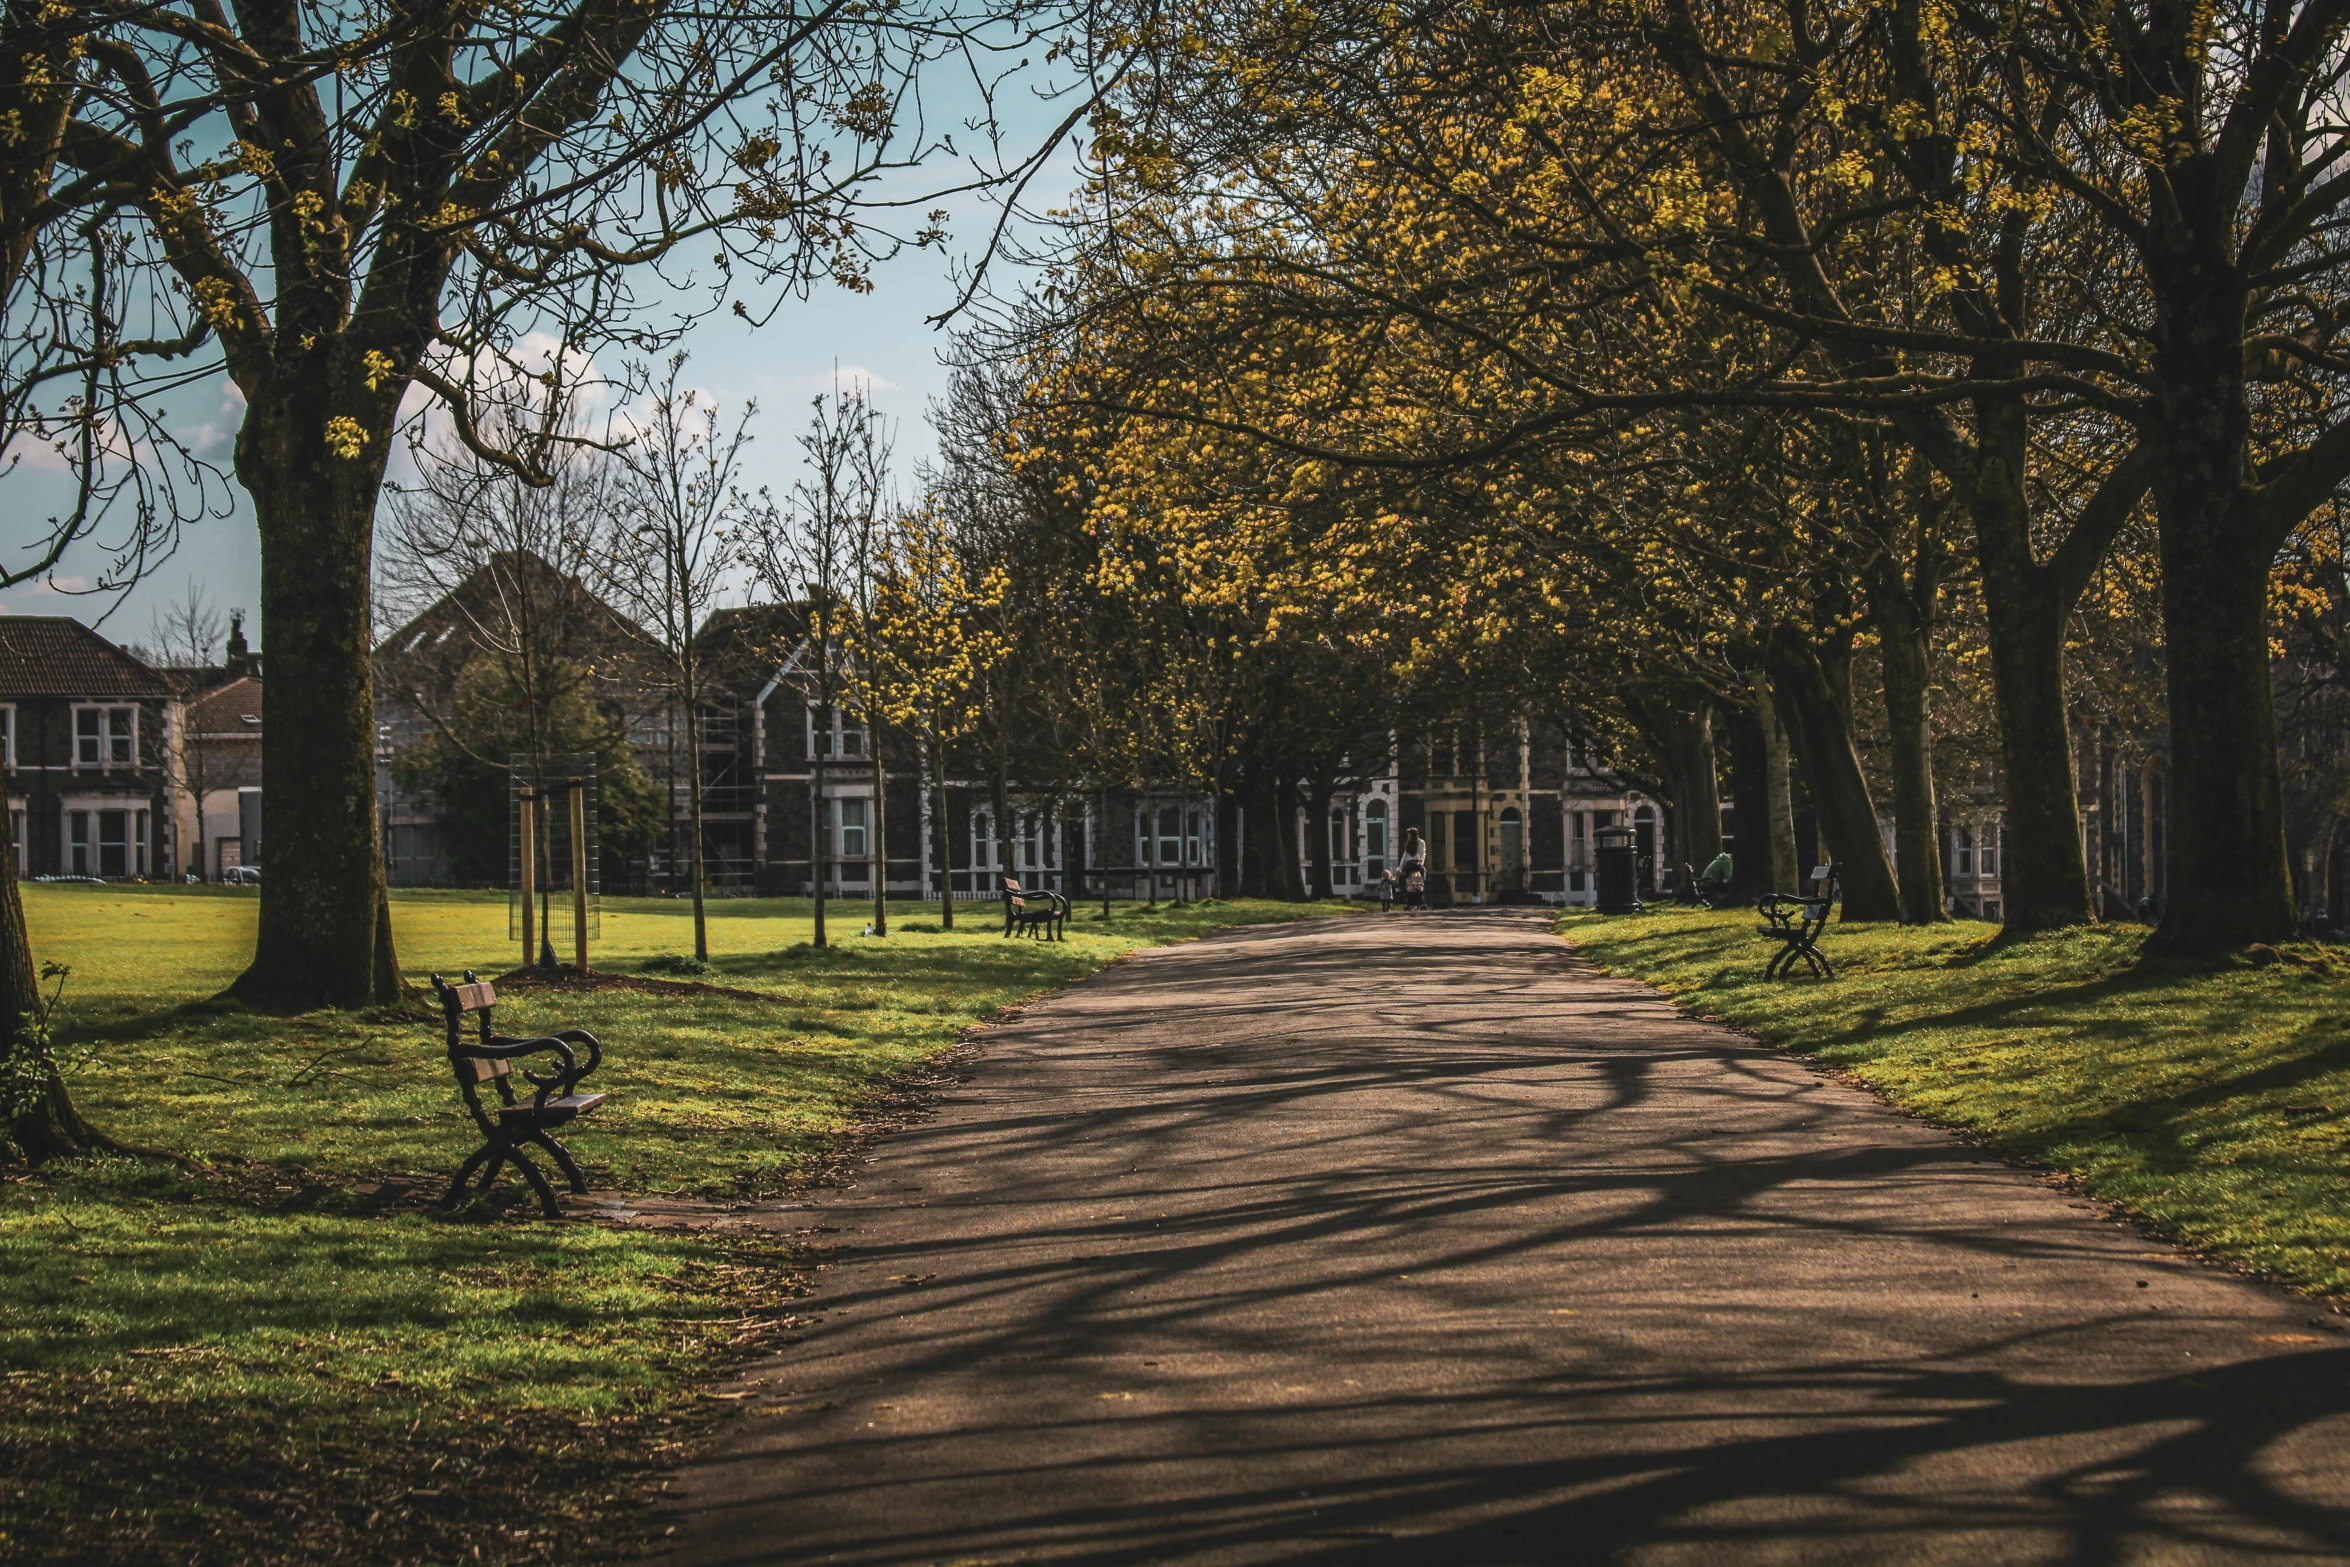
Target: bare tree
[510, 558]
[666, 553]
[183, 633]
[811, 550]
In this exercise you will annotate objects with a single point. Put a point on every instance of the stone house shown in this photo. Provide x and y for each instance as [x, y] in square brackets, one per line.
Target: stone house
[86, 732]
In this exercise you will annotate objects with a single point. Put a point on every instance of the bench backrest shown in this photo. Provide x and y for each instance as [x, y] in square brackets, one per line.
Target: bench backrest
[472, 995]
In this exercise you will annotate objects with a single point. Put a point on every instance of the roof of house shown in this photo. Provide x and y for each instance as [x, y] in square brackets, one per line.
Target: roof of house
[55, 655]
[233, 709]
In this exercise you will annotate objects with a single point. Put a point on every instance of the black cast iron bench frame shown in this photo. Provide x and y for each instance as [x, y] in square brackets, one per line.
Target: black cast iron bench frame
[1797, 920]
[1043, 920]
[510, 1121]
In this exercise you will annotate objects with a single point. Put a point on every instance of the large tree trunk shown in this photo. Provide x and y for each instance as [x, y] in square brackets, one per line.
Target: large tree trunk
[1679, 723]
[2045, 879]
[1822, 742]
[1285, 809]
[1102, 808]
[1905, 632]
[1227, 839]
[1318, 838]
[325, 936]
[999, 842]
[43, 1123]
[1256, 879]
[1916, 829]
[1778, 786]
[1750, 875]
[2229, 879]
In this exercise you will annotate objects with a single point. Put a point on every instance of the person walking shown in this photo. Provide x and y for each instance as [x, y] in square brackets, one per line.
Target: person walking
[1415, 869]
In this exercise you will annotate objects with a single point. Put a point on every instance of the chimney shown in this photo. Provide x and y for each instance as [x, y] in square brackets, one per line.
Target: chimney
[242, 660]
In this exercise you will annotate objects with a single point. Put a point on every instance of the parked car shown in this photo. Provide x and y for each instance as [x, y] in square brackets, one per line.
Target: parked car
[244, 876]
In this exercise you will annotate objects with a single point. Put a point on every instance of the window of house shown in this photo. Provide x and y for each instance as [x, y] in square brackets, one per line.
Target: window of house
[1375, 835]
[139, 845]
[842, 738]
[1170, 835]
[77, 843]
[1439, 840]
[1963, 840]
[1194, 846]
[982, 840]
[1338, 837]
[1987, 855]
[7, 735]
[16, 836]
[853, 844]
[105, 736]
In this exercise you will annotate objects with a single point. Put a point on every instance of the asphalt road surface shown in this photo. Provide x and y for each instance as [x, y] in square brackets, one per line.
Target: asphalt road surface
[1414, 1240]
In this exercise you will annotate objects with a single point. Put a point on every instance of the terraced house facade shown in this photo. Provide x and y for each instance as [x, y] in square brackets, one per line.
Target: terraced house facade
[86, 732]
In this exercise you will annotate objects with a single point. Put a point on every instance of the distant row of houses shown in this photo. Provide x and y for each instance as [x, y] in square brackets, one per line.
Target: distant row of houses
[122, 770]
[1511, 819]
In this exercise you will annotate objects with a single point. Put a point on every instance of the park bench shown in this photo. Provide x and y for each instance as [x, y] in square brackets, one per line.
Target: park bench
[1040, 914]
[1796, 920]
[1695, 888]
[508, 1121]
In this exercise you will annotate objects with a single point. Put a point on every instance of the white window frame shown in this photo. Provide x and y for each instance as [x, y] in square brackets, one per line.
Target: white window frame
[105, 736]
[1375, 833]
[843, 733]
[983, 839]
[7, 734]
[842, 827]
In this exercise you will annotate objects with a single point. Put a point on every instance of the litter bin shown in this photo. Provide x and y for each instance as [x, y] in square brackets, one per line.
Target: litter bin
[1618, 870]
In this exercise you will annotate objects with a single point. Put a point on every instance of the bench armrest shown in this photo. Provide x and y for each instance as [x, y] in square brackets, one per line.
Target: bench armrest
[503, 1047]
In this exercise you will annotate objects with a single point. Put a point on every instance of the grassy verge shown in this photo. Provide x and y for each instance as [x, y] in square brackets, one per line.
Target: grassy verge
[2212, 1100]
[260, 1359]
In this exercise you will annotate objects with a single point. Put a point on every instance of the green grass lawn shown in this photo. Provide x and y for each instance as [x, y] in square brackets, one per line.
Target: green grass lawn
[257, 1359]
[2211, 1099]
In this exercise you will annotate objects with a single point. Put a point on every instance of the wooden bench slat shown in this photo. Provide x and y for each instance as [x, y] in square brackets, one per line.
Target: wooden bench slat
[474, 997]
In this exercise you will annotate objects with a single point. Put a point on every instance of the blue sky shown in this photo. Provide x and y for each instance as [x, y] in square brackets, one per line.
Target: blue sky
[883, 338]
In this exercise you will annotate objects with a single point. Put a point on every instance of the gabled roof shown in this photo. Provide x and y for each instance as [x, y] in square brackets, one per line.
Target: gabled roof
[437, 642]
[55, 655]
[234, 709]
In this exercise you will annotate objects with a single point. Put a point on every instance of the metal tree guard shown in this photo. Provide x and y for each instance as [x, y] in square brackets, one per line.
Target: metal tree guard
[552, 851]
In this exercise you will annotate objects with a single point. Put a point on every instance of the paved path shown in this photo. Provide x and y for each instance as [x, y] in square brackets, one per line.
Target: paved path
[1416, 1241]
